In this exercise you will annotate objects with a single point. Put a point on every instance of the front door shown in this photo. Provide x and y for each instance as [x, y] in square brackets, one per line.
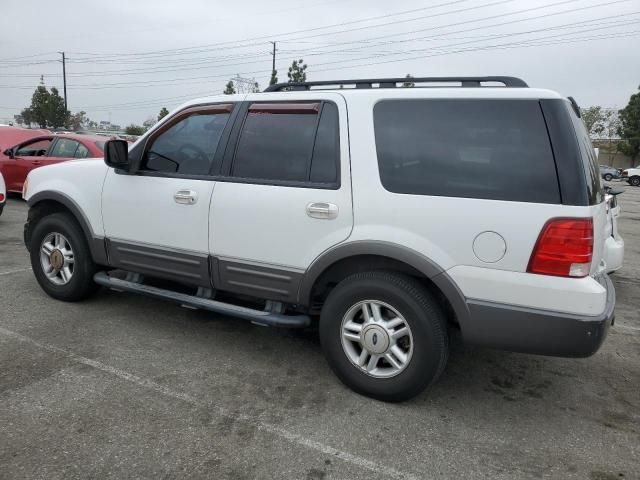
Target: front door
[27, 156]
[287, 194]
[157, 219]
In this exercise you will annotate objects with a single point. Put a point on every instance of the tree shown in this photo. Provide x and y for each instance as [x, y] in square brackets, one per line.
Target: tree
[593, 118]
[46, 109]
[229, 89]
[408, 84]
[58, 116]
[629, 129]
[611, 123]
[134, 130]
[274, 77]
[27, 117]
[78, 121]
[297, 71]
[163, 113]
[149, 122]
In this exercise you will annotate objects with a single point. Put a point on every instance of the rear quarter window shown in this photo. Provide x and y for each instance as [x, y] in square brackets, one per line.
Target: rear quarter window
[489, 149]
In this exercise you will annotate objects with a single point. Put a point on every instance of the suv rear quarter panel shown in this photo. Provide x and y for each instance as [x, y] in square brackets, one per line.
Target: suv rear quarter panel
[444, 228]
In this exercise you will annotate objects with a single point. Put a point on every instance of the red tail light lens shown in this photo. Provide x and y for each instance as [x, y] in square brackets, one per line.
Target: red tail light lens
[1, 197]
[564, 248]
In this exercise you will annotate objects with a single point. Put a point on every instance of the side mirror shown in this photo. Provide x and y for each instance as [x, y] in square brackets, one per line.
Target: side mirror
[116, 154]
[9, 153]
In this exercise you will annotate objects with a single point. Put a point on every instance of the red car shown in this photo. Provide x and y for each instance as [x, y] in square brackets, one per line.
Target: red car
[18, 160]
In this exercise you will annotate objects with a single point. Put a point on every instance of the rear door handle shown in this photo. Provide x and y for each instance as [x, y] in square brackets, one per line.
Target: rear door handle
[326, 211]
[186, 197]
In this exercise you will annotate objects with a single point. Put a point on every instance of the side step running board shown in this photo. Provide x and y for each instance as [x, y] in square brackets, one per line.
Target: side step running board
[259, 317]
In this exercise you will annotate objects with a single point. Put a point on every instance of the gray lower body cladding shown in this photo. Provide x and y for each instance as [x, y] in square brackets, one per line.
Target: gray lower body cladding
[528, 330]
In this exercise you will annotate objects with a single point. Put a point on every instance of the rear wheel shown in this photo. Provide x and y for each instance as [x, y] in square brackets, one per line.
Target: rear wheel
[384, 335]
[60, 258]
[608, 177]
[635, 181]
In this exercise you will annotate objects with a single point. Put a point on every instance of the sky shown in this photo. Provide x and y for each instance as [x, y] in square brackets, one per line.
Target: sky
[128, 59]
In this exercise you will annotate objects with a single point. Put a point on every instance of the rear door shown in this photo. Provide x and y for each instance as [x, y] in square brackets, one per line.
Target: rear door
[62, 150]
[286, 194]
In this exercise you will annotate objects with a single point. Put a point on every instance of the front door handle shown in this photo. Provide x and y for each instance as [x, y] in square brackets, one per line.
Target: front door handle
[186, 197]
[327, 211]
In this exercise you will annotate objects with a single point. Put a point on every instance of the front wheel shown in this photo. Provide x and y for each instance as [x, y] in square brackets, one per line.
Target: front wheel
[384, 335]
[635, 181]
[608, 177]
[60, 258]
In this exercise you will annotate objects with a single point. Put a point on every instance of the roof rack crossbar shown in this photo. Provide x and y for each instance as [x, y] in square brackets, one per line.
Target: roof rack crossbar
[465, 82]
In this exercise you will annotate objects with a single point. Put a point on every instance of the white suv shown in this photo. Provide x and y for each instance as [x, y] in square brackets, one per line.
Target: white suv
[387, 215]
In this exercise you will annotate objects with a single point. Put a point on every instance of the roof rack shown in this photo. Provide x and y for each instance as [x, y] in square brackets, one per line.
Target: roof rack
[510, 82]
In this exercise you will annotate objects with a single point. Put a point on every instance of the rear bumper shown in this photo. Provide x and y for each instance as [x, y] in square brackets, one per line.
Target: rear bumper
[543, 332]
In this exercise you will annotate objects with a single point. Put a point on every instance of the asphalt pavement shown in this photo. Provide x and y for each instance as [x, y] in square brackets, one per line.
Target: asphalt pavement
[121, 386]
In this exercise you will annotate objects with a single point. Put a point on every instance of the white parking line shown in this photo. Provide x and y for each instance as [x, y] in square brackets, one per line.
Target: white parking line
[9, 272]
[265, 427]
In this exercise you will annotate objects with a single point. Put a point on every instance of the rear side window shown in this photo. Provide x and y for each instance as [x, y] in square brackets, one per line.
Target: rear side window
[490, 149]
[65, 148]
[289, 142]
[82, 151]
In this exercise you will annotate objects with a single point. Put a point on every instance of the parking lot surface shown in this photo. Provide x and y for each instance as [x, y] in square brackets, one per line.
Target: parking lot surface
[122, 386]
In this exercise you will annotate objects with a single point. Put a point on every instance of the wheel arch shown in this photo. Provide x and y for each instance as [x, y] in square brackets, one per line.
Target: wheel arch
[367, 255]
[48, 202]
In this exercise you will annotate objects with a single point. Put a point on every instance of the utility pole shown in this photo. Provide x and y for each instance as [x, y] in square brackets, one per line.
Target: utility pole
[273, 60]
[64, 78]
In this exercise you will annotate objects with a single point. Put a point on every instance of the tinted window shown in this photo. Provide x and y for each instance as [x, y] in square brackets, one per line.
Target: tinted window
[492, 149]
[82, 151]
[589, 161]
[275, 146]
[64, 147]
[34, 149]
[187, 147]
[324, 163]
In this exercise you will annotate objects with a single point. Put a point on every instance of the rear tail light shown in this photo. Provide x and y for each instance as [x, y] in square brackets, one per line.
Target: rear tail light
[1, 197]
[625, 173]
[564, 248]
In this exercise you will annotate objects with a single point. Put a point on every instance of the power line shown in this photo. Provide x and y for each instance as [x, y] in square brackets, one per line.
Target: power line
[587, 29]
[199, 66]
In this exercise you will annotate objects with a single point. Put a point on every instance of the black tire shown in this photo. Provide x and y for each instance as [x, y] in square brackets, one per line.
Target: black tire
[81, 284]
[420, 310]
[635, 181]
[608, 177]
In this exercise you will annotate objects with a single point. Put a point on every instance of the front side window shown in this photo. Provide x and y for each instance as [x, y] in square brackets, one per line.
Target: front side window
[34, 149]
[489, 149]
[289, 142]
[189, 145]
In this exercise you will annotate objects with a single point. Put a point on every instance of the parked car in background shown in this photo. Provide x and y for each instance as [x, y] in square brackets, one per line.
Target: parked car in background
[614, 251]
[609, 173]
[632, 176]
[42, 150]
[10, 136]
[3, 194]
